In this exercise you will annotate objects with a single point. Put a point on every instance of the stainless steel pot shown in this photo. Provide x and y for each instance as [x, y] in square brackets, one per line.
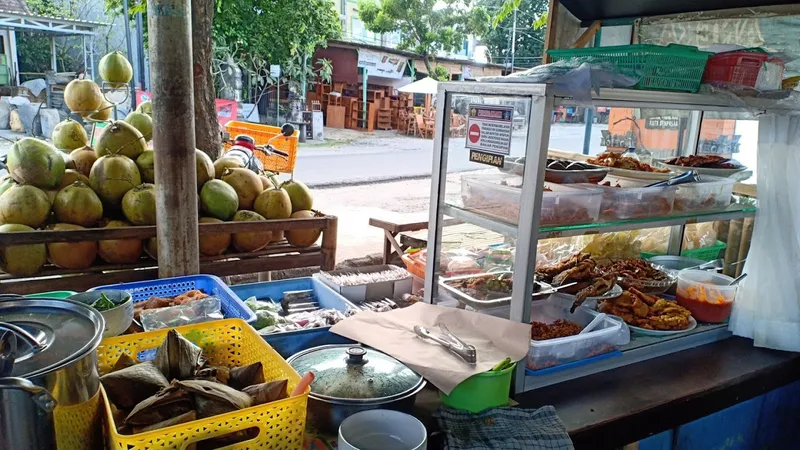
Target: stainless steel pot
[54, 365]
[349, 379]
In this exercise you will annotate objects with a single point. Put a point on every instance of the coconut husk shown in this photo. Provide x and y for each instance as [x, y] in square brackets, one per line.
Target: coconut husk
[244, 376]
[211, 398]
[177, 358]
[219, 374]
[129, 386]
[168, 403]
[267, 392]
[123, 362]
[177, 420]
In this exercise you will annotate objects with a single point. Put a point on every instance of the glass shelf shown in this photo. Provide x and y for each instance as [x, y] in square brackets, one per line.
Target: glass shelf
[735, 211]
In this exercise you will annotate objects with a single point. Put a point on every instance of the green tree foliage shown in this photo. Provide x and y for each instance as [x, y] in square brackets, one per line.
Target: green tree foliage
[531, 23]
[33, 48]
[440, 73]
[425, 26]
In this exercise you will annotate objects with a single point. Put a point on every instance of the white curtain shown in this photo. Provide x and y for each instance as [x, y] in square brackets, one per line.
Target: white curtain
[767, 306]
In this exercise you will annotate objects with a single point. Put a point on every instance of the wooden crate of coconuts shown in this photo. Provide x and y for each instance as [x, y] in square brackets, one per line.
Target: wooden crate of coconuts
[89, 214]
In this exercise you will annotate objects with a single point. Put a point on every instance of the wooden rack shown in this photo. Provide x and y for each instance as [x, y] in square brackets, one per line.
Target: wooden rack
[384, 119]
[276, 256]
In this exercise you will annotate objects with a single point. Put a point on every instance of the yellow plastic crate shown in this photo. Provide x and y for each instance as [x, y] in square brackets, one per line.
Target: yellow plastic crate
[262, 135]
[228, 342]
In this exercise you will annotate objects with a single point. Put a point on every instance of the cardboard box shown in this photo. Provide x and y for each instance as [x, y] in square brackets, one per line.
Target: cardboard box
[371, 291]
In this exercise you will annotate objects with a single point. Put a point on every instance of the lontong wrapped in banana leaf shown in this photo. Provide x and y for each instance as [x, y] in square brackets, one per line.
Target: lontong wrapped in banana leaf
[168, 403]
[177, 358]
[212, 398]
[129, 386]
[244, 376]
[267, 392]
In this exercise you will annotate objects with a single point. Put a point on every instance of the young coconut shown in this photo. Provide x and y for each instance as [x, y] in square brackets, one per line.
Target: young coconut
[71, 176]
[205, 168]
[141, 122]
[103, 113]
[71, 255]
[213, 244]
[146, 108]
[151, 248]
[246, 184]
[121, 138]
[24, 205]
[146, 162]
[119, 251]
[83, 97]
[115, 69]
[302, 199]
[21, 260]
[274, 204]
[219, 199]
[254, 241]
[82, 160]
[303, 237]
[139, 205]
[69, 135]
[36, 162]
[6, 182]
[112, 176]
[226, 162]
[77, 204]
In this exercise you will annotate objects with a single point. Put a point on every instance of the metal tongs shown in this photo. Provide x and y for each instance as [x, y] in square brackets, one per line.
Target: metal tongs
[449, 341]
[689, 177]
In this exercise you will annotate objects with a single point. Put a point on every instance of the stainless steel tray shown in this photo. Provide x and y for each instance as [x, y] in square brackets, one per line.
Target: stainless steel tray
[477, 304]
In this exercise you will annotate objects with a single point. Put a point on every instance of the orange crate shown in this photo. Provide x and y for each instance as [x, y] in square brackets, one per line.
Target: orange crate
[230, 342]
[262, 134]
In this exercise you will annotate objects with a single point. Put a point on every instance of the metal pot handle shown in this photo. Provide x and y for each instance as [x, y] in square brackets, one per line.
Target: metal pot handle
[22, 334]
[39, 395]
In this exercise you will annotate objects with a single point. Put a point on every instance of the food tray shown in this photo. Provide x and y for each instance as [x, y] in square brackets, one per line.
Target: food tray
[651, 286]
[636, 203]
[288, 343]
[554, 352]
[229, 342]
[565, 205]
[671, 68]
[232, 306]
[478, 304]
[710, 193]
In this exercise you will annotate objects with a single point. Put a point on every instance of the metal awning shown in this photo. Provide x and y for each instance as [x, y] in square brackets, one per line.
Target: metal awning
[591, 10]
[21, 21]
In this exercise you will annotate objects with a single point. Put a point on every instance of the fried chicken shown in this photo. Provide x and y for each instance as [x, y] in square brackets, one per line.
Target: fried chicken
[580, 272]
[647, 311]
[598, 287]
[649, 299]
[546, 273]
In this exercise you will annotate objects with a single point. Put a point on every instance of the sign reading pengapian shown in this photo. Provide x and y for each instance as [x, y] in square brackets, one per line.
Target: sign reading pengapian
[489, 128]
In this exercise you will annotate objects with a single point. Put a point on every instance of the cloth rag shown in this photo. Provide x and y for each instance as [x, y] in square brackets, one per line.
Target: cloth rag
[504, 429]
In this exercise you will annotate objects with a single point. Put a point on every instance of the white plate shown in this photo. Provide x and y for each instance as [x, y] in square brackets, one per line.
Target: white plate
[639, 175]
[724, 173]
[646, 332]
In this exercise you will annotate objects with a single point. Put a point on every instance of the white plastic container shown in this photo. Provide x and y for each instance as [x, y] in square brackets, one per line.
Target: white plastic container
[708, 194]
[369, 291]
[621, 203]
[610, 334]
[498, 196]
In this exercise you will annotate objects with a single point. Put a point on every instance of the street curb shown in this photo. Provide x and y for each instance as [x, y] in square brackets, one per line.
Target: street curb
[367, 181]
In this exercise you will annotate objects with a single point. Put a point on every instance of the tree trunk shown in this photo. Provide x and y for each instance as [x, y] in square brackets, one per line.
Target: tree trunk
[207, 129]
[427, 61]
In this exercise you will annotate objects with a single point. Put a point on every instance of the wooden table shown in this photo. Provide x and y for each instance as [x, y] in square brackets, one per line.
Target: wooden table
[392, 225]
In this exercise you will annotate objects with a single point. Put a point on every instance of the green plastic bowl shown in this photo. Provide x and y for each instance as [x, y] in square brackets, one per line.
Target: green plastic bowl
[482, 391]
[54, 294]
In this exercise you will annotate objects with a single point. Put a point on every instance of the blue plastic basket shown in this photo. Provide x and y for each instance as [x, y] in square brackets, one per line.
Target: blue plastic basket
[232, 306]
[288, 343]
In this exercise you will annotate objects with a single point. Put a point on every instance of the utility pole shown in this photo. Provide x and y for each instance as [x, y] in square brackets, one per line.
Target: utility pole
[513, 39]
[140, 40]
[126, 22]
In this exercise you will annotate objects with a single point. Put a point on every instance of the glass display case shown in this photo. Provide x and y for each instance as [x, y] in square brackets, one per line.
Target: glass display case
[494, 207]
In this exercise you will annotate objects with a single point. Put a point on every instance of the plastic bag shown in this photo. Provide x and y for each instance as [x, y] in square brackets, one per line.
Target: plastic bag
[197, 311]
[615, 246]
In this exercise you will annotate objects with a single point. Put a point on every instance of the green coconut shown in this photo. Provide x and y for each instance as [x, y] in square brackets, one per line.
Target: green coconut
[69, 135]
[213, 244]
[112, 176]
[205, 168]
[266, 183]
[77, 204]
[303, 237]
[25, 205]
[83, 97]
[139, 205]
[141, 122]
[302, 199]
[71, 176]
[218, 199]
[226, 162]
[71, 255]
[146, 108]
[82, 160]
[251, 241]
[21, 260]
[146, 162]
[246, 184]
[36, 162]
[5, 183]
[274, 204]
[119, 251]
[151, 248]
[103, 113]
[115, 69]
[121, 138]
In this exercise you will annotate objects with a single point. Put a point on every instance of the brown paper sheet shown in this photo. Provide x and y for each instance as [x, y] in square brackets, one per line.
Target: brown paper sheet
[393, 333]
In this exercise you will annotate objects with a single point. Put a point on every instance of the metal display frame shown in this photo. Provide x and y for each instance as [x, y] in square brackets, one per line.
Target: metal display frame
[528, 232]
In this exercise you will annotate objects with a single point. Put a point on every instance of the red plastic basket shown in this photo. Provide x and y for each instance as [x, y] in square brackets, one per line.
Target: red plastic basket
[735, 67]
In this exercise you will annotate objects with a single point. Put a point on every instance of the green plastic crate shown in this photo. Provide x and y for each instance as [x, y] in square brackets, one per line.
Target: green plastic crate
[703, 254]
[53, 294]
[671, 68]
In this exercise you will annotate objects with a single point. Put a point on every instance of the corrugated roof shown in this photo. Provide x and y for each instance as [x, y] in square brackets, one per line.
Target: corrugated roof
[18, 6]
[4, 10]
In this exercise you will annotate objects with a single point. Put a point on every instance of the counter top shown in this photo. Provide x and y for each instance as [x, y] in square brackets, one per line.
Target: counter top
[617, 407]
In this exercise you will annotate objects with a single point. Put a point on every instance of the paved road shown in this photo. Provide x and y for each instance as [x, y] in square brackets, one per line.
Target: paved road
[391, 158]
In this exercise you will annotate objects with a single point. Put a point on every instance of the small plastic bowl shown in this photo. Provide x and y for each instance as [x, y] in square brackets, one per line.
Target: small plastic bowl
[706, 294]
[119, 318]
[481, 391]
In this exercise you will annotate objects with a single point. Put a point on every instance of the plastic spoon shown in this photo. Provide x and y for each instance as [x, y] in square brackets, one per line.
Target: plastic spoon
[594, 323]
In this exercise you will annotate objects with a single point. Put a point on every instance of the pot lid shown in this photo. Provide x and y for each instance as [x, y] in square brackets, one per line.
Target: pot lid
[351, 372]
[49, 333]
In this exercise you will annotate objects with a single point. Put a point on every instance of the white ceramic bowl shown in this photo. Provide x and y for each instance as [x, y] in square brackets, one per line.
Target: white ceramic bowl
[117, 319]
[382, 429]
